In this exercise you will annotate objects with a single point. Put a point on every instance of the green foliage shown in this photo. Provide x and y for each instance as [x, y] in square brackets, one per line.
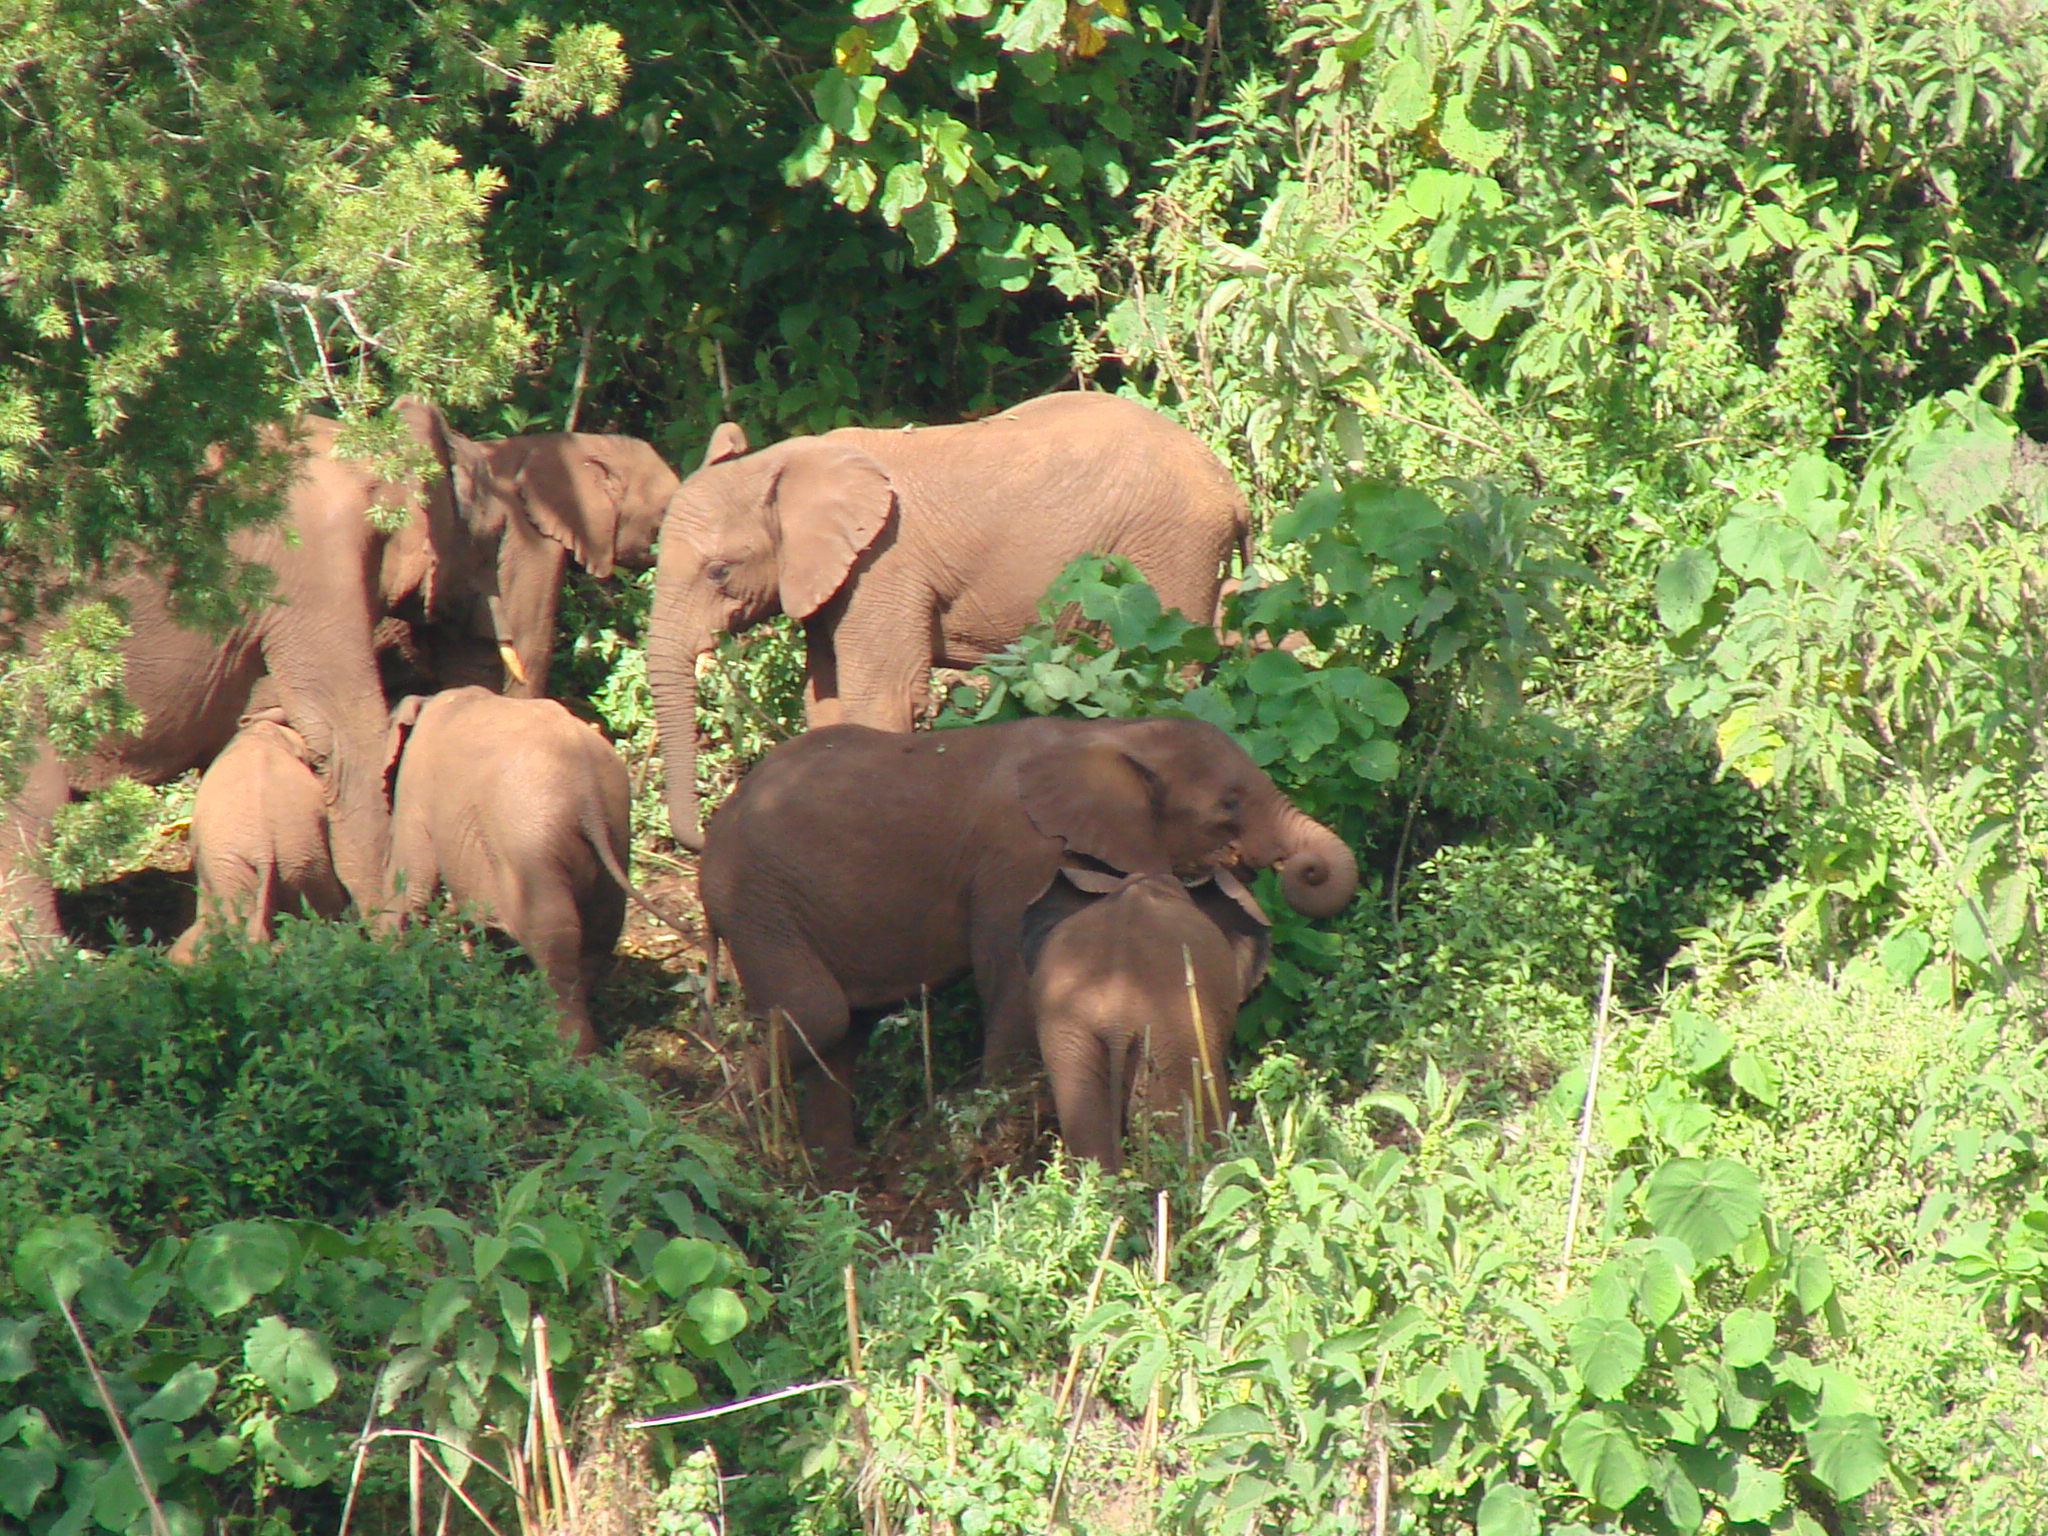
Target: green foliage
[215, 218]
[1489, 965]
[168, 1134]
[306, 1080]
[1874, 651]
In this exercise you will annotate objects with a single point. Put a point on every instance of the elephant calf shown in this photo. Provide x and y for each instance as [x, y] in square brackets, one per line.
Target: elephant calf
[519, 809]
[260, 836]
[853, 867]
[1135, 982]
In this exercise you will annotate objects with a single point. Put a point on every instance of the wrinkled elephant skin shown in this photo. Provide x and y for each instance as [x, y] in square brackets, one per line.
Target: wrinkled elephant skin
[901, 550]
[853, 866]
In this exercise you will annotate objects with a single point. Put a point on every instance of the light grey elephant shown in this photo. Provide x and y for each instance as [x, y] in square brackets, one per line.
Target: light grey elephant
[1135, 982]
[259, 837]
[904, 549]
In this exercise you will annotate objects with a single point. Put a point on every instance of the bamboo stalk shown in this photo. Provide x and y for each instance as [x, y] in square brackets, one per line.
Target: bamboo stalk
[1585, 1137]
[1202, 1039]
[157, 1523]
[1073, 1370]
[1162, 1230]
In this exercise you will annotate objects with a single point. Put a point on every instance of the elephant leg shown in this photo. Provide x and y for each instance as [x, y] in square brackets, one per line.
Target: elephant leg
[1091, 1075]
[544, 919]
[821, 677]
[811, 1043]
[1009, 1027]
[884, 656]
[28, 902]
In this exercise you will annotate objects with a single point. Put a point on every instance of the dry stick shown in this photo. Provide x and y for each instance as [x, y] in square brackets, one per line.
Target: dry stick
[877, 1514]
[1202, 1039]
[415, 1482]
[99, 1385]
[1148, 1437]
[355, 1472]
[1073, 1370]
[557, 1462]
[1081, 1404]
[746, 1402]
[924, 1002]
[1571, 1214]
[582, 378]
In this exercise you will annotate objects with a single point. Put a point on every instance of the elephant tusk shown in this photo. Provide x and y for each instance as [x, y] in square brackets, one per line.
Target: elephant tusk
[511, 659]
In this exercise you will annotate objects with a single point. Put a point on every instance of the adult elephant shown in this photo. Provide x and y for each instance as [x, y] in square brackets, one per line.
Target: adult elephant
[853, 867]
[476, 561]
[899, 550]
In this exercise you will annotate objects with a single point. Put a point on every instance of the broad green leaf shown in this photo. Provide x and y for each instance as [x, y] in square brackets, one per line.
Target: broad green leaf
[229, 1265]
[1748, 1337]
[718, 1312]
[1467, 141]
[1710, 1205]
[1685, 583]
[292, 1362]
[1847, 1452]
[1679, 1495]
[684, 1263]
[17, 1346]
[1405, 96]
[1759, 1492]
[1509, 1510]
[1756, 1076]
[1809, 1280]
[182, 1396]
[1904, 953]
[50, 1263]
[1660, 1289]
[26, 1474]
[1602, 1459]
[1607, 1353]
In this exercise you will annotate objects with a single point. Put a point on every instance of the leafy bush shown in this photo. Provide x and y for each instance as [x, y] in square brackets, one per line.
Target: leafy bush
[322, 1077]
[1489, 967]
[166, 1138]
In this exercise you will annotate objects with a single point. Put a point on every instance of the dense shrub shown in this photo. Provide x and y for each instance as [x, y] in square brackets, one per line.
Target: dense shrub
[323, 1077]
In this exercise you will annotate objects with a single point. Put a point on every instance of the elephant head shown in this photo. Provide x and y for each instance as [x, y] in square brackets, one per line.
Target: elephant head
[1179, 796]
[747, 536]
[532, 503]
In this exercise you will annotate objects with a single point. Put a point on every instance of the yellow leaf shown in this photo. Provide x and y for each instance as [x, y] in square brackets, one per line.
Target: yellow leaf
[1088, 38]
[853, 51]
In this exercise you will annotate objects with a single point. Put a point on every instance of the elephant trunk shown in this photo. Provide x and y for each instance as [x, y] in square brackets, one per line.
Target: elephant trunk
[1318, 871]
[673, 646]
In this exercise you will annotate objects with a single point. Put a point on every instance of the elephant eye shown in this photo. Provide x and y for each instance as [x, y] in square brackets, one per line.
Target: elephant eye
[717, 570]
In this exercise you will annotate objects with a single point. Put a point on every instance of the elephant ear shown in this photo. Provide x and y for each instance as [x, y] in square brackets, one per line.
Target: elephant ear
[1104, 802]
[405, 714]
[728, 441]
[570, 490]
[831, 502]
[462, 504]
[1069, 890]
[1227, 903]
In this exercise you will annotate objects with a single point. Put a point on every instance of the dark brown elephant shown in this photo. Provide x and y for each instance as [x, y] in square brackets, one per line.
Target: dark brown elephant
[521, 811]
[1135, 982]
[853, 867]
[903, 549]
[476, 565]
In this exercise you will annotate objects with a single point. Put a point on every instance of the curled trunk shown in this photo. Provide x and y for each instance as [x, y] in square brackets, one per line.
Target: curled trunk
[1318, 871]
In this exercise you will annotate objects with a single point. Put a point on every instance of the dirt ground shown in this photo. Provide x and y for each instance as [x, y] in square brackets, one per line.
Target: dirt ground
[921, 1161]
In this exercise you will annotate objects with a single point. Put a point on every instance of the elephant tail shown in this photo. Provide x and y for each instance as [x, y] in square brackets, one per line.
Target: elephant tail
[601, 844]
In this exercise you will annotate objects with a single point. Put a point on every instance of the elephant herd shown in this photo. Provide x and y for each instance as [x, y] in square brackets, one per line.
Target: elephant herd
[1085, 873]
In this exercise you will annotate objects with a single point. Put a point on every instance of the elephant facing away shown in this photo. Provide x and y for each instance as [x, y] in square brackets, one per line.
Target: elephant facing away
[1135, 982]
[518, 809]
[476, 564]
[259, 837]
[854, 866]
[903, 549]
